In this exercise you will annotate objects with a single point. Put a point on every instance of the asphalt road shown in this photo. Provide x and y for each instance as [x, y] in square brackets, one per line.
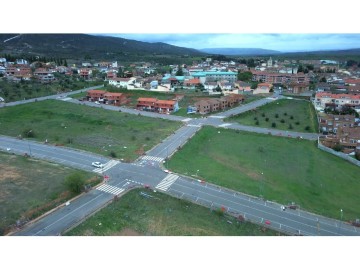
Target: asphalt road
[125, 176]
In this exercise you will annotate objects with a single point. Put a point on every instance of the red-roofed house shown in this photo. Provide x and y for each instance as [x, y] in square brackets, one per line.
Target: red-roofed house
[85, 73]
[116, 99]
[324, 99]
[191, 84]
[95, 95]
[262, 88]
[156, 105]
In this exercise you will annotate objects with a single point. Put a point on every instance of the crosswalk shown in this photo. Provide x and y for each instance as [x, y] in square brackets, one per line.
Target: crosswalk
[106, 166]
[167, 182]
[190, 125]
[186, 120]
[110, 189]
[217, 116]
[157, 159]
[225, 125]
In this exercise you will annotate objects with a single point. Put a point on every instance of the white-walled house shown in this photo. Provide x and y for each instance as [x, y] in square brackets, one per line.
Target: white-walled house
[121, 82]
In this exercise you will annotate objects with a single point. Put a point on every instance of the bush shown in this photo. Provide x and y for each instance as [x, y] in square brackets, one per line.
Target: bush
[290, 126]
[28, 133]
[357, 155]
[297, 123]
[337, 147]
[282, 121]
[255, 118]
[75, 182]
[113, 154]
[307, 128]
[263, 114]
[273, 125]
[285, 113]
[257, 123]
[267, 119]
[276, 115]
[291, 117]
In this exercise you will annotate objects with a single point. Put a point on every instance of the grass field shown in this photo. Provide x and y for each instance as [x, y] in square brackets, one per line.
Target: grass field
[29, 187]
[79, 126]
[292, 115]
[280, 169]
[162, 215]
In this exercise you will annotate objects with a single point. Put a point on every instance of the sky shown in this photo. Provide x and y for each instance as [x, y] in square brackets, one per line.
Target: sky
[280, 42]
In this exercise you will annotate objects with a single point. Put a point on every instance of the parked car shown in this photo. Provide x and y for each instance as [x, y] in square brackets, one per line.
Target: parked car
[97, 164]
[97, 102]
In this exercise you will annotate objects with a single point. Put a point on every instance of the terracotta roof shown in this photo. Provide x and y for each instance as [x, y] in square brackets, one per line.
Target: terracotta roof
[96, 91]
[147, 99]
[336, 96]
[108, 94]
[169, 102]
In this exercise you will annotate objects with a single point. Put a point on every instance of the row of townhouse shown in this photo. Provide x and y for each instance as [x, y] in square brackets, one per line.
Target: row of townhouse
[327, 99]
[105, 97]
[340, 130]
[282, 78]
[157, 105]
[205, 106]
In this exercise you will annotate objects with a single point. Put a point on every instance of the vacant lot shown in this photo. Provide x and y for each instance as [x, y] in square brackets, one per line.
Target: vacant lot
[279, 169]
[161, 215]
[94, 129]
[284, 114]
[29, 187]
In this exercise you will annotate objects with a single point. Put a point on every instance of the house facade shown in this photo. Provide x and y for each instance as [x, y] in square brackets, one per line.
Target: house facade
[324, 99]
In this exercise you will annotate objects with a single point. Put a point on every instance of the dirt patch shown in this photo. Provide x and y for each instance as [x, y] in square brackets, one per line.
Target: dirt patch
[8, 172]
[127, 232]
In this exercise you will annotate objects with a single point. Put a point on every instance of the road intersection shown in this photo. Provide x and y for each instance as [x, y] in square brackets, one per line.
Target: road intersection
[147, 171]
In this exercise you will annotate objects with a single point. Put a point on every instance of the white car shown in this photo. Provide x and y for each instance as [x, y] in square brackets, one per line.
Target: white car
[97, 164]
[97, 102]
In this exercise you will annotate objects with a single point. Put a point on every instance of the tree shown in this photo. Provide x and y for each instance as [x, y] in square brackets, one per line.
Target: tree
[75, 182]
[218, 88]
[254, 85]
[301, 68]
[120, 72]
[179, 72]
[323, 79]
[245, 76]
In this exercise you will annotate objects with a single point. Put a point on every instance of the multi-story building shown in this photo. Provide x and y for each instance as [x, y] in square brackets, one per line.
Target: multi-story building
[213, 76]
[325, 99]
[330, 123]
[156, 105]
[282, 78]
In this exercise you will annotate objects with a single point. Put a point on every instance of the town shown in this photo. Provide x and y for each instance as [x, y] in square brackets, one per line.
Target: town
[239, 135]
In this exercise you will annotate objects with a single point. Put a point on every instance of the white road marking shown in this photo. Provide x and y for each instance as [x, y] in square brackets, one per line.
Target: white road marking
[186, 120]
[110, 189]
[158, 159]
[106, 166]
[167, 182]
[217, 116]
[225, 125]
[193, 125]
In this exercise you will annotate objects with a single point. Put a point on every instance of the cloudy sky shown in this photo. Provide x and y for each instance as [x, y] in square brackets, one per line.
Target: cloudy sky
[280, 42]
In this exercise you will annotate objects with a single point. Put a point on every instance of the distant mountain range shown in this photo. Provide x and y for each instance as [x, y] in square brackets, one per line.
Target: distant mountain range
[91, 47]
[77, 46]
[239, 51]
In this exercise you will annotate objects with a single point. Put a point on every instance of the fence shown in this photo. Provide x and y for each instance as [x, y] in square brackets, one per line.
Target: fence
[339, 154]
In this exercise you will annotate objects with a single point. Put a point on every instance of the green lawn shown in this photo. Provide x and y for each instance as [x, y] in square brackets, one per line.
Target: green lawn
[279, 169]
[292, 115]
[92, 129]
[32, 89]
[30, 187]
[162, 215]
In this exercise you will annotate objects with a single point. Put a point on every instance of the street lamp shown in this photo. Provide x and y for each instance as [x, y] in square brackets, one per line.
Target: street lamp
[28, 141]
[341, 217]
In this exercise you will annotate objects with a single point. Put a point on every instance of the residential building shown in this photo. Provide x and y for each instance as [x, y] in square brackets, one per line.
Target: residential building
[298, 88]
[262, 88]
[156, 105]
[95, 95]
[214, 76]
[324, 99]
[116, 99]
[329, 123]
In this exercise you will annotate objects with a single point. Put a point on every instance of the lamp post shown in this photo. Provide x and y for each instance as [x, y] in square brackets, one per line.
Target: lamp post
[28, 141]
[341, 217]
